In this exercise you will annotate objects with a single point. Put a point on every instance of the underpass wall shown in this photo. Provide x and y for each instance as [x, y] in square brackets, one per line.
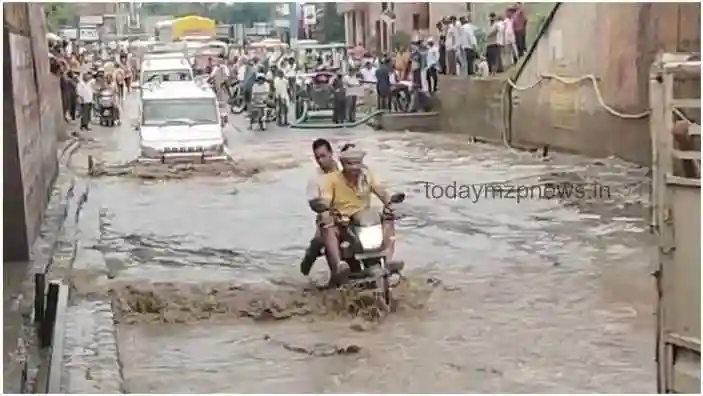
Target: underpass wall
[30, 132]
[614, 42]
[472, 106]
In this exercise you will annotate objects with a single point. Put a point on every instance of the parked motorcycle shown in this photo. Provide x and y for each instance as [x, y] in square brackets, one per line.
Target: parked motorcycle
[106, 107]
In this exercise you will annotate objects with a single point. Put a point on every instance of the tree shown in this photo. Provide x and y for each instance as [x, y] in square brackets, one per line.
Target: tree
[59, 14]
[332, 23]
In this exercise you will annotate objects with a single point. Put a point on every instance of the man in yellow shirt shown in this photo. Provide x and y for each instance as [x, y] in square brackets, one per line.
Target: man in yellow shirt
[348, 192]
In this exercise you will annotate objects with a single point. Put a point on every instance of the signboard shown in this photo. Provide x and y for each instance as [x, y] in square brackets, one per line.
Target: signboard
[69, 33]
[309, 14]
[88, 34]
[91, 20]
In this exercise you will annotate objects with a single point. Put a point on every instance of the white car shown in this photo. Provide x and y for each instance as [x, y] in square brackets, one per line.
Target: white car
[165, 70]
[181, 120]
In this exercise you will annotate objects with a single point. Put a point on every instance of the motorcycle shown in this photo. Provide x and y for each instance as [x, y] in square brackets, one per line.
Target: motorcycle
[106, 107]
[361, 247]
[261, 113]
[236, 102]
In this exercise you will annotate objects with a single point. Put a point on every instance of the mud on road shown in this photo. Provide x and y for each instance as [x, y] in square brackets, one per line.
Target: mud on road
[199, 265]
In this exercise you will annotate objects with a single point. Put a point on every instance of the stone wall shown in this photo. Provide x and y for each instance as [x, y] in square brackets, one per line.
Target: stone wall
[30, 133]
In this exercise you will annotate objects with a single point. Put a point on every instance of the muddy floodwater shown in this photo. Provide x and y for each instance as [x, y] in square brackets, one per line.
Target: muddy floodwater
[540, 295]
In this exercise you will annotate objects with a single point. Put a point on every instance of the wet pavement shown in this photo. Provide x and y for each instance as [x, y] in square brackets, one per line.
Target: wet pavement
[549, 295]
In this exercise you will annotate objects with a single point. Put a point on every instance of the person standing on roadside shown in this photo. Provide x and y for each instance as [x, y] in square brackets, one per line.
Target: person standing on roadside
[493, 50]
[442, 60]
[520, 28]
[470, 50]
[119, 78]
[452, 43]
[72, 94]
[354, 91]
[281, 89]
[432, 65]
[383, 85]
[509, 47]
[85, 96]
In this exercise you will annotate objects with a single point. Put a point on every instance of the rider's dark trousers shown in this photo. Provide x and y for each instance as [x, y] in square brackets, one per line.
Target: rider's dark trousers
[311, 254]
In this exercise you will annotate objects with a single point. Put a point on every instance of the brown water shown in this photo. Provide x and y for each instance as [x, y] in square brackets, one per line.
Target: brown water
[500, 296]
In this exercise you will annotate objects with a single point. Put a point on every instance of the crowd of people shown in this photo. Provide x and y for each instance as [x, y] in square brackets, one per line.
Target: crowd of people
[461, 53]
[84, 73]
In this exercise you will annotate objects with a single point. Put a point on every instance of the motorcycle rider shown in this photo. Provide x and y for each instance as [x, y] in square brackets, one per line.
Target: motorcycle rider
[260, 92]
[347, 193]
[248, 80]
[324, 156]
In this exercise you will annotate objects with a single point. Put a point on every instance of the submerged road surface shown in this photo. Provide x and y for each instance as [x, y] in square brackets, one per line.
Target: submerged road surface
[503, 294]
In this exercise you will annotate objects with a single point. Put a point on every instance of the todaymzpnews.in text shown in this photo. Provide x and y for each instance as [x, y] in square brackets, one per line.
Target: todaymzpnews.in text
[475, 192]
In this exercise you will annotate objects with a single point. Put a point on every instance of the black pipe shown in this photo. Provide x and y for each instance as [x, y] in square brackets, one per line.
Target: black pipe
[39, 297]
[47, 327]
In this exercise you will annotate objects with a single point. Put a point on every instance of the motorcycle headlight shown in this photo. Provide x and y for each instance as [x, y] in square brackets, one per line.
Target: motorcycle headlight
[371, 238]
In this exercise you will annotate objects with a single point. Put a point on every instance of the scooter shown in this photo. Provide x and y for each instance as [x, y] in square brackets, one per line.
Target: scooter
[106, 108]
[361, 247]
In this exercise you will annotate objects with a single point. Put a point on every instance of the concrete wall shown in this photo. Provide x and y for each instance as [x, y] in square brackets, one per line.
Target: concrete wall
[472, 106]
[615, 42]
[30, 129]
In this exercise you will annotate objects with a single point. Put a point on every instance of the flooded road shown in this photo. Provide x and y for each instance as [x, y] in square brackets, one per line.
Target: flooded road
[536, 296]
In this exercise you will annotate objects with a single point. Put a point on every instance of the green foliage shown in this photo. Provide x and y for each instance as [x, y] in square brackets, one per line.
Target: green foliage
[400, 40]
[332, 24]
[58, 14]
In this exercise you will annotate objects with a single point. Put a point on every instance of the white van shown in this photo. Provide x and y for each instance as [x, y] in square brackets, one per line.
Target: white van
[166, 70]
[180, 120]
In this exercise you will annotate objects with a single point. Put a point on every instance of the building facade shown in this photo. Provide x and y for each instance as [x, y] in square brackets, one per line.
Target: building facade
[374, 25]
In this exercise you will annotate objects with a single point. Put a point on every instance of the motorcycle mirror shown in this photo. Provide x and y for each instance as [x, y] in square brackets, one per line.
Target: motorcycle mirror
[397, 197]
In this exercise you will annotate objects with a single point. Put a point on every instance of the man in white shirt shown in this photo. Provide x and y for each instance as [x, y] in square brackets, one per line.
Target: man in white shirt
[354, 91]
[452, 44]
[84, 89]
[368, 73]
[469, 32]
[494, 42]
[432, 65]
[509, 44]
[280, 87]
[462, 47]
[500, 39]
